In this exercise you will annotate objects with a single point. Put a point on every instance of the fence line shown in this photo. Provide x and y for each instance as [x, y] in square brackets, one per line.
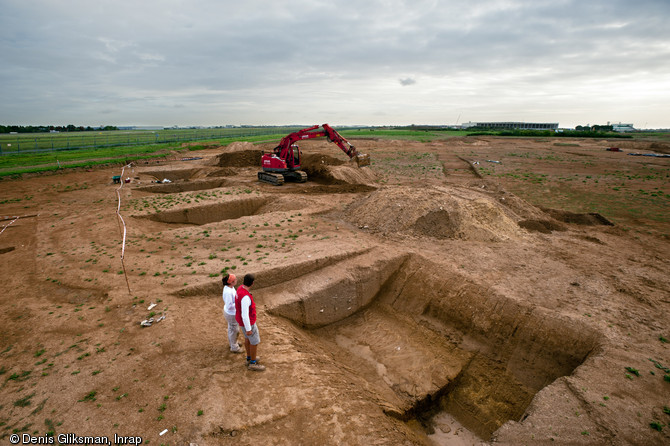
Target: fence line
[58, 143]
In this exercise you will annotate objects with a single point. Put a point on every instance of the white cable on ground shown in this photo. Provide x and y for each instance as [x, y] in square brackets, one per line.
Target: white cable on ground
[8, 224]
[14, 218]
[121, 221]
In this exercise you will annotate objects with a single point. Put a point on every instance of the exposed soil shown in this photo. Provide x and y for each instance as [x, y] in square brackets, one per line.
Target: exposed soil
[465, 291]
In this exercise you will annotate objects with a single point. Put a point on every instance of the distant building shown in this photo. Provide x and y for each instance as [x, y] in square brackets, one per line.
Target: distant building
[513, 125]
[594, 128]
[140, 127]
[623, 127]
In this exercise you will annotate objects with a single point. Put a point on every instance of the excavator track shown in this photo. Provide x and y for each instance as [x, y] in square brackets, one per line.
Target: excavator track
[272, 178]
[297, 175]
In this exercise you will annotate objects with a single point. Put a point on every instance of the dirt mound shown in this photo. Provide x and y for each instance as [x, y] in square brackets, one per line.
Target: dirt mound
[239, 158]
[239, 146]
[224, 172]
[339, 189]
[325, 169]
[439, 213]
[315, 160]
[317, 167]
[350, 174]
[660, 147]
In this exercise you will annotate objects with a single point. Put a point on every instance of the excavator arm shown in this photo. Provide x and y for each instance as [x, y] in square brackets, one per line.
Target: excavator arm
[284, 149]
[349, 149]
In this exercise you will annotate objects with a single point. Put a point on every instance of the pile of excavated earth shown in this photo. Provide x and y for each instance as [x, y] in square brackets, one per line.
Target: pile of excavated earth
[398, 304]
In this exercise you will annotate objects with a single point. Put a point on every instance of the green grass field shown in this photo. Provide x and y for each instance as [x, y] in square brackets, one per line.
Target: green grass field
[124, 146]
[11, 144]
[414, 135]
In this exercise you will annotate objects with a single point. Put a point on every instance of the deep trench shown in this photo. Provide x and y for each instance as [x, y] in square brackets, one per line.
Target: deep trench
[486, 355]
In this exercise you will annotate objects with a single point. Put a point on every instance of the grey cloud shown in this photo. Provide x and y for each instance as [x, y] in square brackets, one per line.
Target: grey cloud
[227, 59]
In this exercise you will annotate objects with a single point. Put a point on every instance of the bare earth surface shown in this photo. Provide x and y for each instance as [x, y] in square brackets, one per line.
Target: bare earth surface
[459, 292]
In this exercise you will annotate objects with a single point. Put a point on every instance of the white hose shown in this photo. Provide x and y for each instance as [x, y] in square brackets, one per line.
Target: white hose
[118, 214]
[8, 224]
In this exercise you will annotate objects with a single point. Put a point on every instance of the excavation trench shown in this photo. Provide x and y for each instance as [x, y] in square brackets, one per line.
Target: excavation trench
[172, 174]
[588, 219]
[430, 341]
[210, 213]
[183, 186]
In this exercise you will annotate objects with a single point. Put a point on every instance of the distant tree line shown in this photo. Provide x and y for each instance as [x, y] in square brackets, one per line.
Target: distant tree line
[594, 128]
[49, 128]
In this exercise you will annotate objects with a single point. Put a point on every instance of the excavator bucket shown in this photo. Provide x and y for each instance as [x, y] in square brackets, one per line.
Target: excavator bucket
[363, 160]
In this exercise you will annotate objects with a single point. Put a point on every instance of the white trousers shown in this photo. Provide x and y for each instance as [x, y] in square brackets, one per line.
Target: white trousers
[233, 328]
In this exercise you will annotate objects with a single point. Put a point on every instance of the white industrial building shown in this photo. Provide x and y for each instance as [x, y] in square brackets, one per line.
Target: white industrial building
[623, 127]
[513, 125]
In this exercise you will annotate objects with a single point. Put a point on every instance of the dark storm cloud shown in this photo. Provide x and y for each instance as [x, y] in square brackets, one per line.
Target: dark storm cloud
[217, 62]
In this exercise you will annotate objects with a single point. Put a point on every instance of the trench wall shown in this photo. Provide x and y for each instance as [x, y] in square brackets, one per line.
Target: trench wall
[536, 345]
[200, 215]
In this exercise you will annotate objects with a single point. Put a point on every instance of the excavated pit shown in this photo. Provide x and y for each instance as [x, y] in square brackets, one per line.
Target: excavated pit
[588, 219]
[185, 186]
[172, 174]
[430, 341]
[543, 226]
[200, 215]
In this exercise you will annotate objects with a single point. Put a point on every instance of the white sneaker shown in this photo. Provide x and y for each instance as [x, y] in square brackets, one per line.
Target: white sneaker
[256, 367]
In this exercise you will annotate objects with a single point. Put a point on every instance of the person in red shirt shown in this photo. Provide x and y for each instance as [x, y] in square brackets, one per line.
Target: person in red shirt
[245, 314]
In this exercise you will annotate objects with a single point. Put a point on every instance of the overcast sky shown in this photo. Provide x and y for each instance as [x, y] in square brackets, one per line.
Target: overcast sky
[217, 62]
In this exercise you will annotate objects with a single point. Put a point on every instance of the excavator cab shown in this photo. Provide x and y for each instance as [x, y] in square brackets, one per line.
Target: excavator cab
[296, 155]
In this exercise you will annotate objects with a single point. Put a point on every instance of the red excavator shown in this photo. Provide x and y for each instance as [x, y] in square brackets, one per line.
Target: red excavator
[284, 162]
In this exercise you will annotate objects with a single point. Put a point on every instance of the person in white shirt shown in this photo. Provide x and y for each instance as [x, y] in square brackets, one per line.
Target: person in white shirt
[229, 282]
